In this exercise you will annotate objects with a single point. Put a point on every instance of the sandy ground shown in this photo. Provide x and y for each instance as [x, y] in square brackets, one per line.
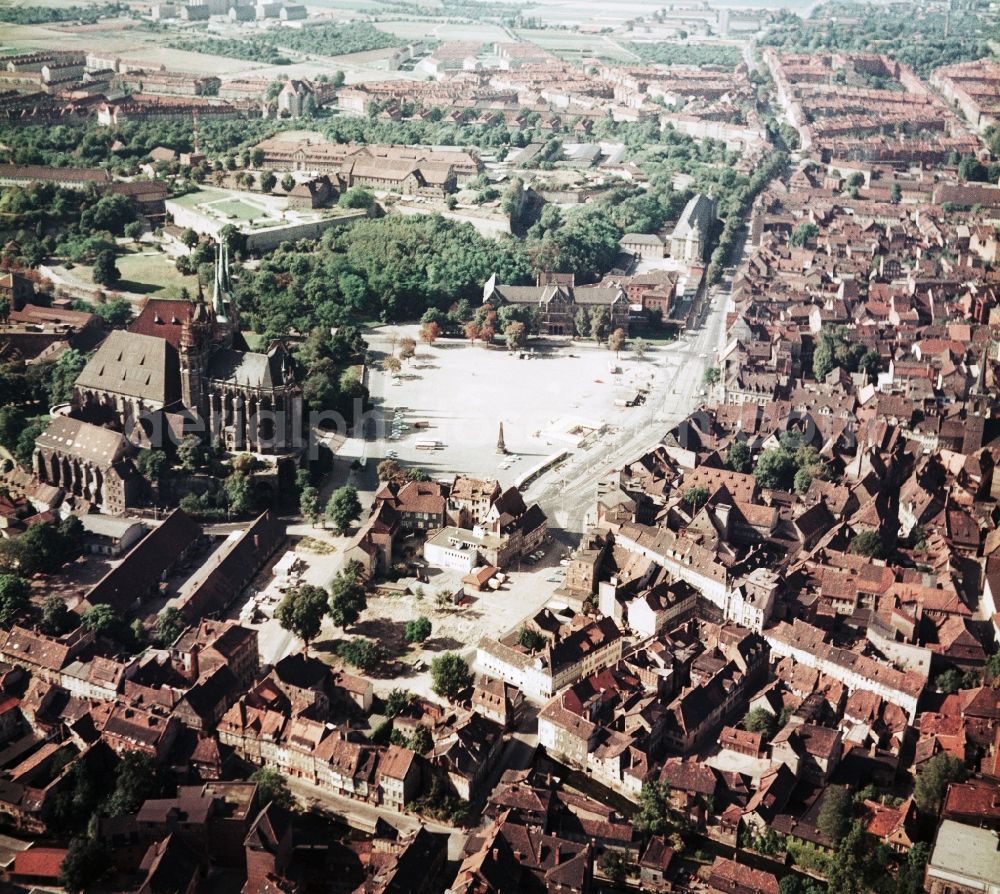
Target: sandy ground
[463, 392]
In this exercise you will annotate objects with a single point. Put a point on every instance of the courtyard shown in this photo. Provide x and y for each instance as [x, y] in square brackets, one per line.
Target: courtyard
[319, 556]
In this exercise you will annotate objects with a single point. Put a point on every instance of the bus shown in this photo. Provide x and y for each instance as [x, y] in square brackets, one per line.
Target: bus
[428, 445]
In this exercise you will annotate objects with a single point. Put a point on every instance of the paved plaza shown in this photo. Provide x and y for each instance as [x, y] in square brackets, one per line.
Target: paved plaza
[550, 398]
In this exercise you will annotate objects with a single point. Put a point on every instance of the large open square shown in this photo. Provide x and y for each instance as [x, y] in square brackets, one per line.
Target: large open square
[553, 397]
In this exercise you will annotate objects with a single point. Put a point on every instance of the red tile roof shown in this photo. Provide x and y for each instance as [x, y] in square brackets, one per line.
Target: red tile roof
[40, 862]
[163, 318]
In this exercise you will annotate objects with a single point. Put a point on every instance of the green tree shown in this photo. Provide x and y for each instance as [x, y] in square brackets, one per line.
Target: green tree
[516, 335]
[102, 620]
[397, 701]
[418, 630]
[762, 721]
[45, 547]
[12, 423]
[137, 778]
[948, 681]
[613, 866]
[803, 233]
[347, 597]
[835, 812]
[802, 481]
[856, 866]
[56, 618]
[834, 348]
[106, 271]
[616, 341]
[389, 470]
[288, 183]
[309, 503]
[87, 861]
[238, 488]
[933, 780]
[62, 375]
[600, 324]
[302, 611]
[653, 817]
[268, 180]
[361, 653]
[25, 447]
[992, 670]
[639, 347]
[867, 543]
[272, 787]
[152, 464]
[530, 639]
[739, 457]
[450, 675]
[910, 879]
[356, 197]
[775, 469]
[343, 507]
[116, 314]
[170, 624]
[711, 375]
[421, 741]
[582, 323]
[193, 454]
[696, 497]
[189, 237]
[14, 592]
[971, 168]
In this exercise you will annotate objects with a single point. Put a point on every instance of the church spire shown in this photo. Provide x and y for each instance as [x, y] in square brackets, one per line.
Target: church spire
[221, 285]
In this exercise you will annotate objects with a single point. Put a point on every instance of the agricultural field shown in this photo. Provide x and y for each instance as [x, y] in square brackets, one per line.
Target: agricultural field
[571, 45]
[409, 29]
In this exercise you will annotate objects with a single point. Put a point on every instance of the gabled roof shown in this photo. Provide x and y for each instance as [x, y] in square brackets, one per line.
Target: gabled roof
[143, 567]
[91, 443]
[133, 365]
[163, 318]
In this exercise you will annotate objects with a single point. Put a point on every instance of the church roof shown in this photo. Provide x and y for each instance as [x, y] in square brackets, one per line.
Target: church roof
[133, 365]
[163, 318]
[72, 437]
[248, 368]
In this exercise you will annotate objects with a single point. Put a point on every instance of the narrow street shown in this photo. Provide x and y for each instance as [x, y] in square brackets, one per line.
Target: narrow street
[361, 814]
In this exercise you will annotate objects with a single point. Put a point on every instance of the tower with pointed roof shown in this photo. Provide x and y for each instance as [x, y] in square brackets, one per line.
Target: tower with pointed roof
[223, 306]
[195, 339]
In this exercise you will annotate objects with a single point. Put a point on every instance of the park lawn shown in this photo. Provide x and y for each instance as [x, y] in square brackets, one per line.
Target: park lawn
[152, 274]
[237, 208]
